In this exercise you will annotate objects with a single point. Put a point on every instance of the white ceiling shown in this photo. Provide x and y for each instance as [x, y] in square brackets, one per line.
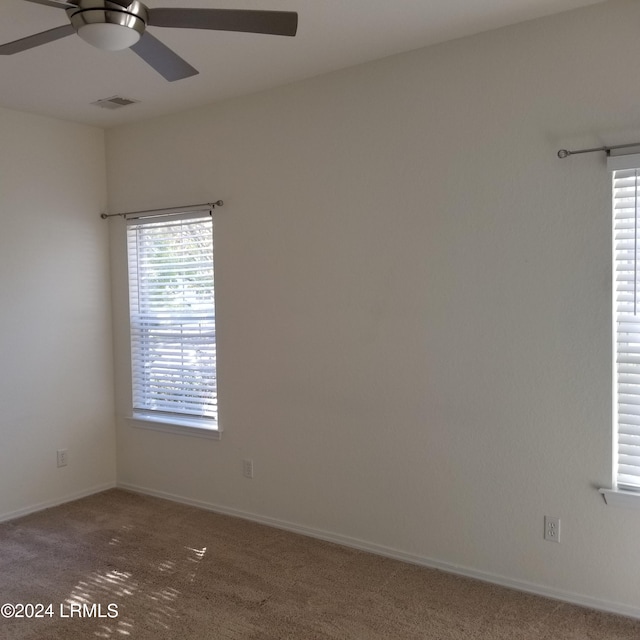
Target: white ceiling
[62, 78]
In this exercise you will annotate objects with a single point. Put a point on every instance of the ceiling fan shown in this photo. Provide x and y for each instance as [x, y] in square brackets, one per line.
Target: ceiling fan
[120, 24]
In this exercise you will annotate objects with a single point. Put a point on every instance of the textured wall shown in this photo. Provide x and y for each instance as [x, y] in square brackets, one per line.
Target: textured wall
[413, 301]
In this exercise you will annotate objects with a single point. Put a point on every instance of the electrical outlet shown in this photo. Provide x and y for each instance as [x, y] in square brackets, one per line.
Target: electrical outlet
[63, 457]
[551, 529]
[247, 468]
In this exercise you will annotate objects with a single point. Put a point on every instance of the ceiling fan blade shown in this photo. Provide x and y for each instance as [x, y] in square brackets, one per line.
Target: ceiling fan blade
[36, 40]
[54, 3]
[167, 63]
[280, 23]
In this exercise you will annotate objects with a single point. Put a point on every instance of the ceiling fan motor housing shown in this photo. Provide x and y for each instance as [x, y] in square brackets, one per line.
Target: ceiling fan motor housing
[97, 21]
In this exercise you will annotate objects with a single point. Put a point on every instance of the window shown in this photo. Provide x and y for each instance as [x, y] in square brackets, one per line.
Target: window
[626, 293]
[172, 314]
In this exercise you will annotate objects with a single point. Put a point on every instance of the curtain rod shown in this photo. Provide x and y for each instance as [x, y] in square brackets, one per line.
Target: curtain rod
[565, 153]
[150, 213]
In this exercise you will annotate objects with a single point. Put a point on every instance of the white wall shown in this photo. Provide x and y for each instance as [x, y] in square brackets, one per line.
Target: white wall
[56, 379]
[413, 301]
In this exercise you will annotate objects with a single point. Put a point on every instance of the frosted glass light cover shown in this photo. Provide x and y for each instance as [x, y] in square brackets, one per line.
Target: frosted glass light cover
[109, 36]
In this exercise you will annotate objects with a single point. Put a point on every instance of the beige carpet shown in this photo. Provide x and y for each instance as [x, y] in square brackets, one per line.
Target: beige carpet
[176, 572]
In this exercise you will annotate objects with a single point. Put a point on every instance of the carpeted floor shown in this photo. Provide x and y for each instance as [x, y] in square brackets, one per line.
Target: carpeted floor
[121, 565]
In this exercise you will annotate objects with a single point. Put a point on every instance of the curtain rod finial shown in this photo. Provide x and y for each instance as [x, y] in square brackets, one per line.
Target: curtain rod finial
[563, 153]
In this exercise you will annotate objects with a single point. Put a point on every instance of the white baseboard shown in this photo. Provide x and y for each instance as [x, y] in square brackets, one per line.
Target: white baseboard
[347, 541]
[12, 515]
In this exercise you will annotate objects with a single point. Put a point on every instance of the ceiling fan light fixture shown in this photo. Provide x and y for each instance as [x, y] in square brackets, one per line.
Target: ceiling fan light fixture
[109, 36]
[107, 28]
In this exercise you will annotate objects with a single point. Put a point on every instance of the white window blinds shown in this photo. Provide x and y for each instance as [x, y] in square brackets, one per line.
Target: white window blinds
[626, 270]
[172, 311]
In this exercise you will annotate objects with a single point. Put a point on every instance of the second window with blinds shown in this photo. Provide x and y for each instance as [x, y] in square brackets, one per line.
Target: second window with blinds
[626, 291]
[172, 316]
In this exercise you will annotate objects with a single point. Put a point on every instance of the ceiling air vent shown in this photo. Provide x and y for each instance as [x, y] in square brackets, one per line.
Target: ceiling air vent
[114, 102]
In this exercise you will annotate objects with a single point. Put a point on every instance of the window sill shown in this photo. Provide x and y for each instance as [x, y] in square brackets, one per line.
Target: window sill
[621, 498]
[179, 426]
